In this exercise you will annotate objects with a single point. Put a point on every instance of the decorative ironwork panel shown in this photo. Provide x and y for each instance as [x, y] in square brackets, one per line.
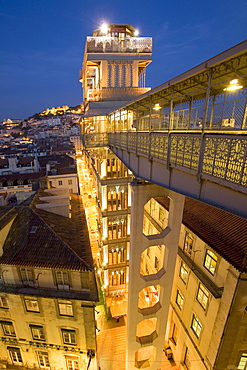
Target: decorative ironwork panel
[173, 150]
[221, 157]
[191, 152]
[143, 143]
[237, 166]
[159, 146]
[123, 136]
[185, 150]
[225, 158]
[196, 146]
[132, 141]
[209, 155]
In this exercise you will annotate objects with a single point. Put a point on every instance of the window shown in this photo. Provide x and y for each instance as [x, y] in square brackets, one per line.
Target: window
[196, 326]
[27, 276]
[43, 359]
[188, 242]
[62, 279]
[117, 198]
[210, 261]
[8, 328]
[65, 308]
[69, 336]
[69, 182]
[243, 362]
[202, 296]
[85, 280]
[15, 355]
[117, 278]
[117, 255]
[117, 228]
[186, 358]
[3, 302]
[179, 299]
[60, 182]
[174, 336]
[72, 363]
[33, 229]
[184, 272]
[31, 304]
[37, 332]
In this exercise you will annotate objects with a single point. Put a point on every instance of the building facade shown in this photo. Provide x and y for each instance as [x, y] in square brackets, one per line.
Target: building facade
[48, 290]
[186, 269]
[113, 72]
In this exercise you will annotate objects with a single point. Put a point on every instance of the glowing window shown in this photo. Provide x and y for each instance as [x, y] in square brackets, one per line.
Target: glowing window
[196, 326]
[179, 299]
[210, 261]
[65, 308]
[69, 336]
[37, 332]
[3, 302]
[202, 296]
[43, 359]
[184, 272]
[243, 362]
[31, 304]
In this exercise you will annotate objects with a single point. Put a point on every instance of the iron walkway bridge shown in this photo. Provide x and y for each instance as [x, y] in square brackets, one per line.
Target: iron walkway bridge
[189, 134]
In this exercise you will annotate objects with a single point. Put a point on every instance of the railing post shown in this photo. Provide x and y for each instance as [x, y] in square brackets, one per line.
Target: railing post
[205, 111]
[171, 116]
[244, 116]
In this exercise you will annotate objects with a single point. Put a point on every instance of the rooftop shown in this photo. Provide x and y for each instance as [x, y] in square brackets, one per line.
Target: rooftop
[223, 231]
[39, 238]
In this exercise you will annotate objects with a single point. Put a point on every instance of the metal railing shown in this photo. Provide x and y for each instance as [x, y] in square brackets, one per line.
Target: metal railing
[116, 93]
[114, 44]
[219, 155]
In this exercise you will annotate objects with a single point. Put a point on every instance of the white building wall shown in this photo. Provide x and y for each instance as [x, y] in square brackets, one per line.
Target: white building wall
[138, 243]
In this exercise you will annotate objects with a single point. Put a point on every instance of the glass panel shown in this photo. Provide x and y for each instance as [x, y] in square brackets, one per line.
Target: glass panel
[65, 308]
[31, 304]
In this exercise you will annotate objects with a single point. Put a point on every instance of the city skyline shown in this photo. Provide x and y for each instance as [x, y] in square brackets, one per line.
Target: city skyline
[43, 44]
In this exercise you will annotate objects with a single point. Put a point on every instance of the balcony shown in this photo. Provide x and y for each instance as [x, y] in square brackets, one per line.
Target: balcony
[116, 93]
[114, 45]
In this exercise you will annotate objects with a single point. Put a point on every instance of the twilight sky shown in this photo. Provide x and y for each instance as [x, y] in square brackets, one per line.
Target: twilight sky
[42, 43]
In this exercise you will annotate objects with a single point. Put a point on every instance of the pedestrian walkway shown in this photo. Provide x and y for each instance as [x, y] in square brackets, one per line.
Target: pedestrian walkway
[111, 342]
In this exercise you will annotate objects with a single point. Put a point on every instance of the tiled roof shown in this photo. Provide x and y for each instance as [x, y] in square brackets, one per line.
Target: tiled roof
[3, 162]
[21, 176]
[25, 160]
[225, 232]
[62, 160]
[39, 238]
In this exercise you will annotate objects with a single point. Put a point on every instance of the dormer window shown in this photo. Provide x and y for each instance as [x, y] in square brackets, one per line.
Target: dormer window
[33, 229]
[27, 276]
[62, 280]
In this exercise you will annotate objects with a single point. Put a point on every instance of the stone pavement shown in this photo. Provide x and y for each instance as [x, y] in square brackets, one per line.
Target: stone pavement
[111, 344]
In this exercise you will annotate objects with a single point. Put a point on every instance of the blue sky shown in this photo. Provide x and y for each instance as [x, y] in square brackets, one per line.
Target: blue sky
[42, 43]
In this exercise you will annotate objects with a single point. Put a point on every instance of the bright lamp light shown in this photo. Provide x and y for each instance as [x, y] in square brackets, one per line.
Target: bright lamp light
[233, 85]
[104, 28]
[157, 107]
